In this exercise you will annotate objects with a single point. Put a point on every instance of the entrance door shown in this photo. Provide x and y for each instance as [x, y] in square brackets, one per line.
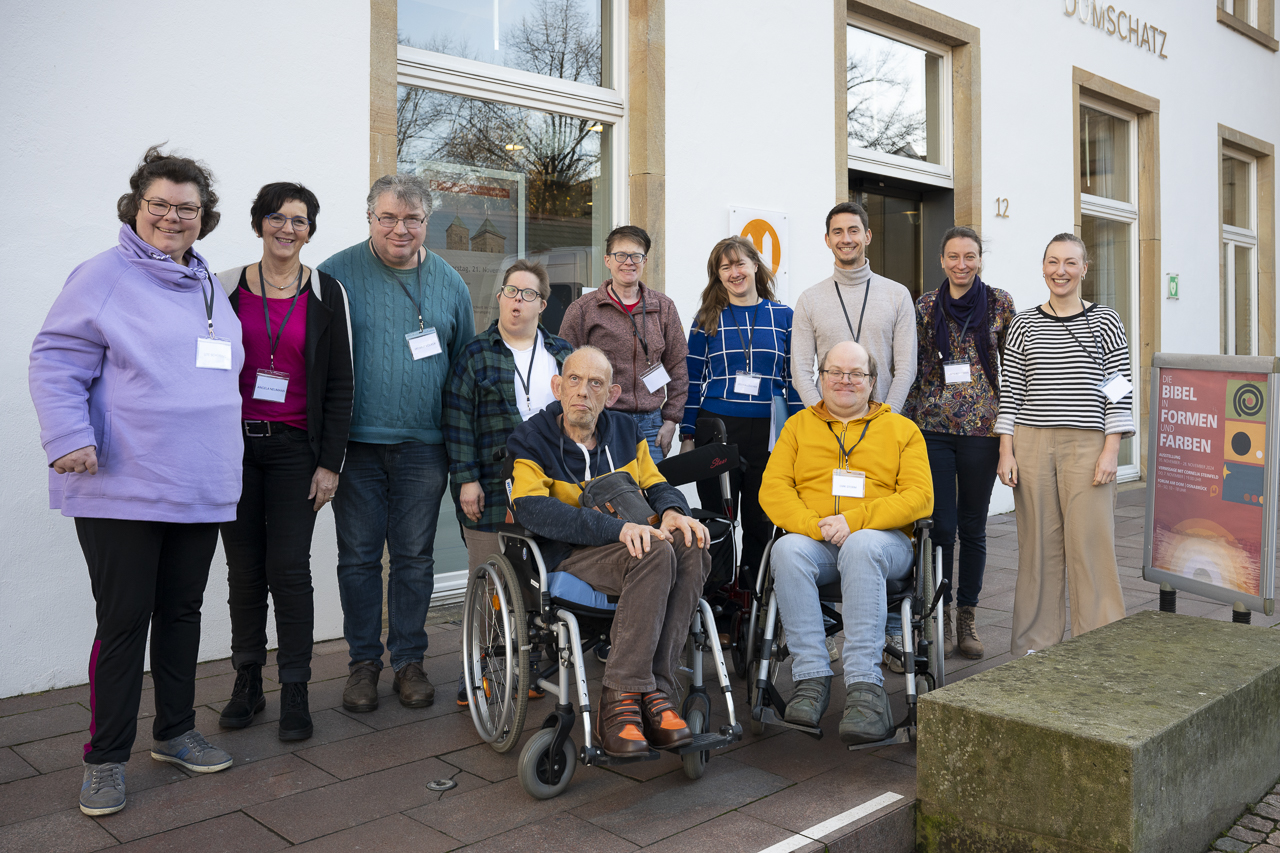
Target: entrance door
[907, 221]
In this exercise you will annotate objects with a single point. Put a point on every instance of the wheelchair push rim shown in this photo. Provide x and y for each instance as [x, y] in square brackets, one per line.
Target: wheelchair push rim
[495, 653]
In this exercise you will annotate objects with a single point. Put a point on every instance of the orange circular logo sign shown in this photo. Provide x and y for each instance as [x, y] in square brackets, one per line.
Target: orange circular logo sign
[756, 231]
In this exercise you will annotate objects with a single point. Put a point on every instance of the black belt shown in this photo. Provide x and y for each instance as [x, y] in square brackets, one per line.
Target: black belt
[263, 429]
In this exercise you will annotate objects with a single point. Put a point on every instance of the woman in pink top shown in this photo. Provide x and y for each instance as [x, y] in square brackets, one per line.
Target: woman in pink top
[296, 388]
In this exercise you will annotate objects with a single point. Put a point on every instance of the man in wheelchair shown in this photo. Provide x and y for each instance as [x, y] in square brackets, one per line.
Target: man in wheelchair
[847, 480]
[656, 572]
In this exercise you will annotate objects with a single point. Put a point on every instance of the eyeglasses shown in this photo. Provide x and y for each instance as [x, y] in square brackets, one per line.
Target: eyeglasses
[160, 207]
[574, 380]
[623, 257]
[528, 294]
[411, 223]
[300, 223]
[857, 377]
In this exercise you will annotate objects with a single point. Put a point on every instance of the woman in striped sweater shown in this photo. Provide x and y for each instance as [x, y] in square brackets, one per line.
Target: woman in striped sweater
[1066, 398]
[739, 360]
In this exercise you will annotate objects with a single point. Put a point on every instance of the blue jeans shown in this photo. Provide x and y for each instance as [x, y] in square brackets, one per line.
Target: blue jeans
[863, 565]
[649, 423]
[388, 493]
[964, 471]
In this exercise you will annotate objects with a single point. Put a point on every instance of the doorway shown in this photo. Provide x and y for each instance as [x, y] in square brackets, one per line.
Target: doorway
[907, 221]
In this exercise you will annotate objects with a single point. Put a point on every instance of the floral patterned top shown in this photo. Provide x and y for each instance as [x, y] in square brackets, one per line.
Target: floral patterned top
[962, 408]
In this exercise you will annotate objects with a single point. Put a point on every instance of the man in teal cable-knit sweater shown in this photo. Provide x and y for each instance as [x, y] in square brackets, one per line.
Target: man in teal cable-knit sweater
[411, 315]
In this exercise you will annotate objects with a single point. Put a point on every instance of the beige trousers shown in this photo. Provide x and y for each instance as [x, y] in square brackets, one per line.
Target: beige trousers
[480, 547]
[1066, 531]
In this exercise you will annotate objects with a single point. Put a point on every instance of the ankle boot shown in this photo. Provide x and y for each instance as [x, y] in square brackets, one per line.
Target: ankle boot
[948, 630]
[295, 712]
[246, 698]
[967, 630]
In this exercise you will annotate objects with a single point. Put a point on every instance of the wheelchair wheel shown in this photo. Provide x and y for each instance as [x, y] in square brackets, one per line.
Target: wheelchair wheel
[932, 628]
[695, 763]
[738, 643]
[538, 768]
[495, 656]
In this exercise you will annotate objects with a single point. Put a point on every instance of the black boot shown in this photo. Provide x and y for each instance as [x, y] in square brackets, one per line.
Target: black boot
[246, 698]
[295, 714]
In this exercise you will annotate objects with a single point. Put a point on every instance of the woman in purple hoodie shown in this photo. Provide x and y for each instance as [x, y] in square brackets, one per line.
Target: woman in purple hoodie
[135, 379]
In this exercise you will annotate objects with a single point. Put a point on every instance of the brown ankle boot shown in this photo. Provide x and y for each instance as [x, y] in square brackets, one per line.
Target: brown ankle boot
[663, 727]
[620, 725]
[948, 631]
[967, 630]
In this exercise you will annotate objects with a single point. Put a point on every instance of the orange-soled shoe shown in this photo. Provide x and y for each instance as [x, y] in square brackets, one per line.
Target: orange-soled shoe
[619, 724]
[663, 727]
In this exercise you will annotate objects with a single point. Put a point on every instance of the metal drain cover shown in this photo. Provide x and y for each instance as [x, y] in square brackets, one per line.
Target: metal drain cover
[441, 785]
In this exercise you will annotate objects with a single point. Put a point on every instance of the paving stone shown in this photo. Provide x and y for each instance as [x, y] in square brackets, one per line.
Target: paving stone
[892, 832]
[1230, 845]
[792, 755]
[387, 835]
[561, 832]
[59, 753]
[48, 699]
[1255, 823]
[330, 647]
[54, 792]
[822, 797]
[47, 722]
[1267, 810]
[344, 804]
[66, 831]
[731, 831]
[12, 766]
[1274, 838]
[231, 833]
[208, 795]
[1273, 799]
[262, 739]
[1249, 835]
[482, 761]
[1265, 848]
[379, 750]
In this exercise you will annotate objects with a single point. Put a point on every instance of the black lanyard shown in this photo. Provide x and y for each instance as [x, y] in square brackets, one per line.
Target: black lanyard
[533, 353]
[586, 473]
[1102, 361]
[641, 332]
[963, 331]
[751, 331]
[266, 315]
[857, 336]
[845, 454]
[418, 270]
[208, 305]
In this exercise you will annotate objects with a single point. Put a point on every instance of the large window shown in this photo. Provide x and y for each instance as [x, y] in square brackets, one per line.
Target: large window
[897, 104]
[1242, 9]
[1108, 226]
[509, 108]
[1238, 267]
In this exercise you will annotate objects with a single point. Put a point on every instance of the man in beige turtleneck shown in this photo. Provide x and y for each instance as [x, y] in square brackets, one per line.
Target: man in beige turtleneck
[855, 304]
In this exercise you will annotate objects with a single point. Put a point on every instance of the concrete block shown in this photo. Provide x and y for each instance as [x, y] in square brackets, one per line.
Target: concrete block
[1150, 734]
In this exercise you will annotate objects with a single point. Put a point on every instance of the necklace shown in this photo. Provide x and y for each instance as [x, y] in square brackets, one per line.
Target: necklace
[288, 286]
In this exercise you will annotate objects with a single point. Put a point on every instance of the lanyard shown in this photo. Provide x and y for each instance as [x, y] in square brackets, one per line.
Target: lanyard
[642, 331]
[208, 305]
[845, 454]
[857, 336]
[266, 315]
[586, 465]
[1102, 361]
[533, 353]
[418, 270]
[751, 331]
[963, 331]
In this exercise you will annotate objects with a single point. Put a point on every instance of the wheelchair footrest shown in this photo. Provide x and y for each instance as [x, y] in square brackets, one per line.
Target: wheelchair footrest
[768, 717]
[902, 735]
[597, 756]
[710, 740]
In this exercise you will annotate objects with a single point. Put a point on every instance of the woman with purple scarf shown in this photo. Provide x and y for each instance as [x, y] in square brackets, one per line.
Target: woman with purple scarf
[135, 379]
[961, 329]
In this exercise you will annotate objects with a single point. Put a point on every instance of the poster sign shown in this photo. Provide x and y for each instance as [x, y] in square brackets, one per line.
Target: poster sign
[767, 230]
[1211, 478]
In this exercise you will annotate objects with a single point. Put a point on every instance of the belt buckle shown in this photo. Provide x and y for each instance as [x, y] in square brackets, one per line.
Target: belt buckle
[250, 425]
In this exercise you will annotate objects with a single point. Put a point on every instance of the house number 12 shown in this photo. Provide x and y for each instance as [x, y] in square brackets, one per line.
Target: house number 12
[1002, 208]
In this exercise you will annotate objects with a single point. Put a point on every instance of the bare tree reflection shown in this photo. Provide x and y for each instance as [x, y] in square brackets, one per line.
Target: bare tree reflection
[880, 104]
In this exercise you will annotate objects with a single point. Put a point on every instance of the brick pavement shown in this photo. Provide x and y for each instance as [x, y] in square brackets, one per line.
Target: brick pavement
[361, 780]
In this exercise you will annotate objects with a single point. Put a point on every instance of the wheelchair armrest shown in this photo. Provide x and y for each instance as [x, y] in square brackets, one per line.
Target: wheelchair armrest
[514, 530]
[924, 524]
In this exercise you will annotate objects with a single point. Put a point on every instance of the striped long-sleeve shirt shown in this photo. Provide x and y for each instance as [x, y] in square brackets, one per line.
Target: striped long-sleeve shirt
[715, 361]
[1052, 369]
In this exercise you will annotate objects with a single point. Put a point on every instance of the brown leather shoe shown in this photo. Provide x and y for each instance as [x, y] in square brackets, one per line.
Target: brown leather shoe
[663, 727]
[619, 725]
[415, 689]
[361, 692]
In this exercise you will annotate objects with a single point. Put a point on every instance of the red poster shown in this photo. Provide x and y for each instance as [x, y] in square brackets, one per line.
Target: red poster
[1210, 436]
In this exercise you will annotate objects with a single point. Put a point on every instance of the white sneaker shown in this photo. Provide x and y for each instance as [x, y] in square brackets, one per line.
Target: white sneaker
[893, 641]
[833, 649]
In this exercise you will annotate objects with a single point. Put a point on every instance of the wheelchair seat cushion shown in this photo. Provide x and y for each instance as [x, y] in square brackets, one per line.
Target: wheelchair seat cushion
[575, 592]
[894, 588]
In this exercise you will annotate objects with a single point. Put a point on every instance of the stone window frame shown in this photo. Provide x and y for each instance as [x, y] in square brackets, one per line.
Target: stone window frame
[966, 99]
[1263, 33]
[1264, 210]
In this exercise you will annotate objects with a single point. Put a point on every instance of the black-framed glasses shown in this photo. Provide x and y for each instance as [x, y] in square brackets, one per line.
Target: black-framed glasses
[855, 376]
[387, 221]
[623, 257]
[160, 207]
[528, 294]
[277, 220]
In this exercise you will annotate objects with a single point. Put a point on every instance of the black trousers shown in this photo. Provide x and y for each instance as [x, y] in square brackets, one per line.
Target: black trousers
[269, 551]
[964, 472]
[143, 573]
[752, 437]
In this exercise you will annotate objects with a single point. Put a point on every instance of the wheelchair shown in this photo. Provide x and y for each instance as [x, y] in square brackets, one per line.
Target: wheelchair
[917, 597]
[513, 606]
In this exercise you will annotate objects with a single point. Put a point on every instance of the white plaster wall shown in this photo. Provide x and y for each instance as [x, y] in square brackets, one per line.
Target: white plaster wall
[87, 87]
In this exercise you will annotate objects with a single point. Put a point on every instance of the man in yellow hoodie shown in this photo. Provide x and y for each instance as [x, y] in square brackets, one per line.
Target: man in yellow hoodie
[847, 480]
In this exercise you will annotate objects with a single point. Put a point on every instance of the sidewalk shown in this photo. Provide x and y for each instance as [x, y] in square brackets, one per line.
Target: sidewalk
[360, 782]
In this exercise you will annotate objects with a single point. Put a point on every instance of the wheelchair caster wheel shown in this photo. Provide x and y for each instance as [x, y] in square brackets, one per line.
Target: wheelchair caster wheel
[537, 767]
[695, 763]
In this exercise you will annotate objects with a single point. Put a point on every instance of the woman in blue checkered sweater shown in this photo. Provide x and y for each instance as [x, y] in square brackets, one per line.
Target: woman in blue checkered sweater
[739, 361]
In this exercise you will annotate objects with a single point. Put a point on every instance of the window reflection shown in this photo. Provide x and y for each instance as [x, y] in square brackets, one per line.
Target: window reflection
[1104, 155]
[1108, 281]
[508, 182]
[895, 225]
[1244, 299]
[1235, 193]
[557, 38]
[894, 105]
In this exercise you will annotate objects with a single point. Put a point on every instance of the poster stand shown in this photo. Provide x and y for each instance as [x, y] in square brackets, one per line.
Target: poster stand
[1212, 464]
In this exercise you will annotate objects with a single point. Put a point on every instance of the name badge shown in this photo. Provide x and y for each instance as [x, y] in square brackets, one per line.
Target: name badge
[271, 385]
[746, 383]
[957, 371]
[213, 353]
[655, 377]
[848, 484]
[423, 343]
[1115, 387]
